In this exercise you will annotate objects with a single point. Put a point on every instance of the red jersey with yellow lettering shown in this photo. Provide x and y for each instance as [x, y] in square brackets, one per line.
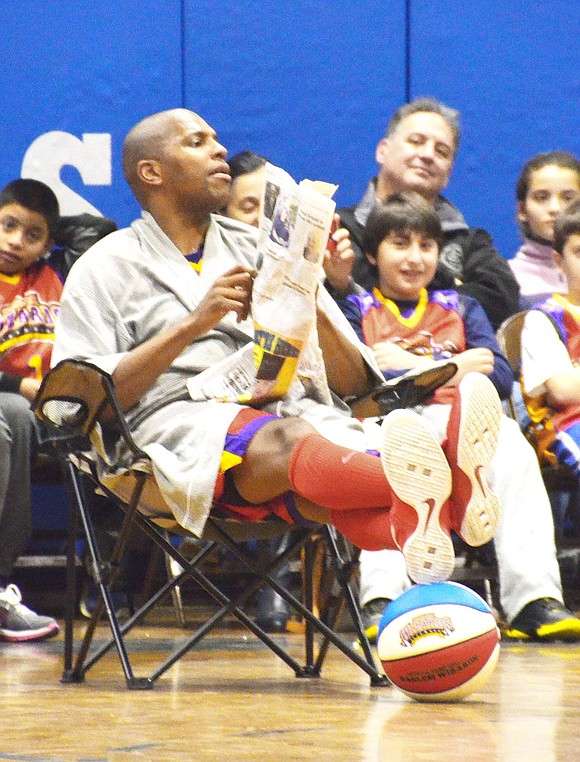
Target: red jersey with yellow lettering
[29, 305]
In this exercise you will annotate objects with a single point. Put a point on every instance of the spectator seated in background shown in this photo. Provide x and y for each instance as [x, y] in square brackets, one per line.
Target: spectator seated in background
[409, 326]
[31, 274]
[548, 183]
[245, 199]
[134, 306]
[30, 293]
[417, 154]
[551, 354]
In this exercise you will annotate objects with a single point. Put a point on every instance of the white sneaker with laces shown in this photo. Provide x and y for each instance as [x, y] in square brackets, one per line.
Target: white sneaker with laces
[18, 623]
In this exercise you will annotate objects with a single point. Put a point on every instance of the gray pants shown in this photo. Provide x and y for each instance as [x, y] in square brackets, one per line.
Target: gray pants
[17, 444]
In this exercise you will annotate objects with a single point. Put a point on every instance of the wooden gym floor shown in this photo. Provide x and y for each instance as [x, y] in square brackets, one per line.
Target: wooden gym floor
[233, 699]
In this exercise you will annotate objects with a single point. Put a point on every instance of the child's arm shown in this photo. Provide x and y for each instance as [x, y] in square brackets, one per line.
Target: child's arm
[391, 356]
[546, 364]
[564, 389]
[27, 387]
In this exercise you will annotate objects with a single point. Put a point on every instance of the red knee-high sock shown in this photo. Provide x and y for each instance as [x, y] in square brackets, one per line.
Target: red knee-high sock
[335, 477]
[367, 528]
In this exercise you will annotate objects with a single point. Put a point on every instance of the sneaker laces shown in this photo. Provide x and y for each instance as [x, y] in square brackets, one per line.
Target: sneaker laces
[13, 597]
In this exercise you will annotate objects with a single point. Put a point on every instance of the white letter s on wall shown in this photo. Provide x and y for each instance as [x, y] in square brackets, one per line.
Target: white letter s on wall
[91, 156]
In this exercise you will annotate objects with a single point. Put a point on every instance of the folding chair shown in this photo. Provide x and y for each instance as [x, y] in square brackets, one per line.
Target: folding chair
[78, 404]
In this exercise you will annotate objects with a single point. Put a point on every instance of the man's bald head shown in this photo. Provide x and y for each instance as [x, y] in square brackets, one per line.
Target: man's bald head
[146, 141]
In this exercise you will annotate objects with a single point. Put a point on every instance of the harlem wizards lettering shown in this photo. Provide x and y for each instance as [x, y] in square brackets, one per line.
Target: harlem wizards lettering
[425, 625]
[29, 305]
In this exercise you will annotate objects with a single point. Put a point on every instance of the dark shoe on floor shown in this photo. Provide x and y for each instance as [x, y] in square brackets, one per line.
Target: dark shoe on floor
[90, 596]
[544, 620]
[371, 614]
[18, 624]
[272, 611]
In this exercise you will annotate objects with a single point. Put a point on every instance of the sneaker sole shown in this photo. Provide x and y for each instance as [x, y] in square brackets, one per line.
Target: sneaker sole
[24, 636]
[476, 445]
[420, 477]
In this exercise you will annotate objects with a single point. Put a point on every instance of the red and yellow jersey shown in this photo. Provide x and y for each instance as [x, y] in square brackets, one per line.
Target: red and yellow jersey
[29, 305]
[546, 421]
[433, 327]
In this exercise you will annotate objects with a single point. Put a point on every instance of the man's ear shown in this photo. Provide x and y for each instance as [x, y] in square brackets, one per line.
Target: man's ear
[149, 171]
[371, 258]
[382, 147]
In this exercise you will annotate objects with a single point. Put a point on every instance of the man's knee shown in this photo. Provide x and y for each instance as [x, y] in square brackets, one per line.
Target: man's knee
[280, 436]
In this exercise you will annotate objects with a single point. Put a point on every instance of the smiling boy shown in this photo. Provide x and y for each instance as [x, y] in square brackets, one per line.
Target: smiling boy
[407, 325]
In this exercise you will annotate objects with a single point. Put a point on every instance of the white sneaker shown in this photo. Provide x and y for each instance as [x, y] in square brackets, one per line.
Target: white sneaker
[18, 623]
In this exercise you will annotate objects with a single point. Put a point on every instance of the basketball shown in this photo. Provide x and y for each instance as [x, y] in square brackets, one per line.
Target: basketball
[438, 642]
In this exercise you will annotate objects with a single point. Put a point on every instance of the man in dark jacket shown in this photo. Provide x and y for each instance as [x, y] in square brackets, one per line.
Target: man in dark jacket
[417, 154]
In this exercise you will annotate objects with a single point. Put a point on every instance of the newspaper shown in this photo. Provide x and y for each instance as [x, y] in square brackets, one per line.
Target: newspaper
[295, 224]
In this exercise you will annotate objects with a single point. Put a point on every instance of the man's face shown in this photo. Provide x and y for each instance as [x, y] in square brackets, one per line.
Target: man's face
[246, 196]
[406, 262]
[24, 238]
[193, 165]
[418, 156]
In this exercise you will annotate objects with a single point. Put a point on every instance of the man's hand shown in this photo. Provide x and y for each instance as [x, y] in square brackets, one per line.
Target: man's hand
[142, 366]
[339, 259]
[231, 292]
[29, 387]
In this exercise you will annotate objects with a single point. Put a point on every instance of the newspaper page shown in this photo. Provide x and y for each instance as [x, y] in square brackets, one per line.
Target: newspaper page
[295, 225]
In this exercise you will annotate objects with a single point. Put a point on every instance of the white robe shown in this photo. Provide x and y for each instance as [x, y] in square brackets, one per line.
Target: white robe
[126, 289]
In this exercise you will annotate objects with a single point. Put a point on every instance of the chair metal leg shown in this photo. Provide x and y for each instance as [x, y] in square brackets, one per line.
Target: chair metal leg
[173, 570]
[103, 575]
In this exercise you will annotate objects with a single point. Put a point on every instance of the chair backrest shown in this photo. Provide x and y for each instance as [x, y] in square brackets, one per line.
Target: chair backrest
[509, 336]
[75, 396]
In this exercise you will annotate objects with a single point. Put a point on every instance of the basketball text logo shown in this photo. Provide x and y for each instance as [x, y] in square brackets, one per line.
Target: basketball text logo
[423, 625]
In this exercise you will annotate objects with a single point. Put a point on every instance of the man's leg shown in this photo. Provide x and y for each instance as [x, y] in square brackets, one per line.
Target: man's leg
[286, 454]
[473, 438]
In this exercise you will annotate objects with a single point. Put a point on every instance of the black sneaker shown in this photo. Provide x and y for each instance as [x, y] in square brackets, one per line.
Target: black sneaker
[371, 614]
[18, 623]
[545, 619]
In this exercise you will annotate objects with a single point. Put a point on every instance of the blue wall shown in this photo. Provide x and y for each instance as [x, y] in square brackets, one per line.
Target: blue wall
[310, 84]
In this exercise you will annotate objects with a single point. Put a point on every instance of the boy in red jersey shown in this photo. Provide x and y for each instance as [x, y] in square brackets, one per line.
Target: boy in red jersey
[409, 326]
[551, 353]
[30, 293]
